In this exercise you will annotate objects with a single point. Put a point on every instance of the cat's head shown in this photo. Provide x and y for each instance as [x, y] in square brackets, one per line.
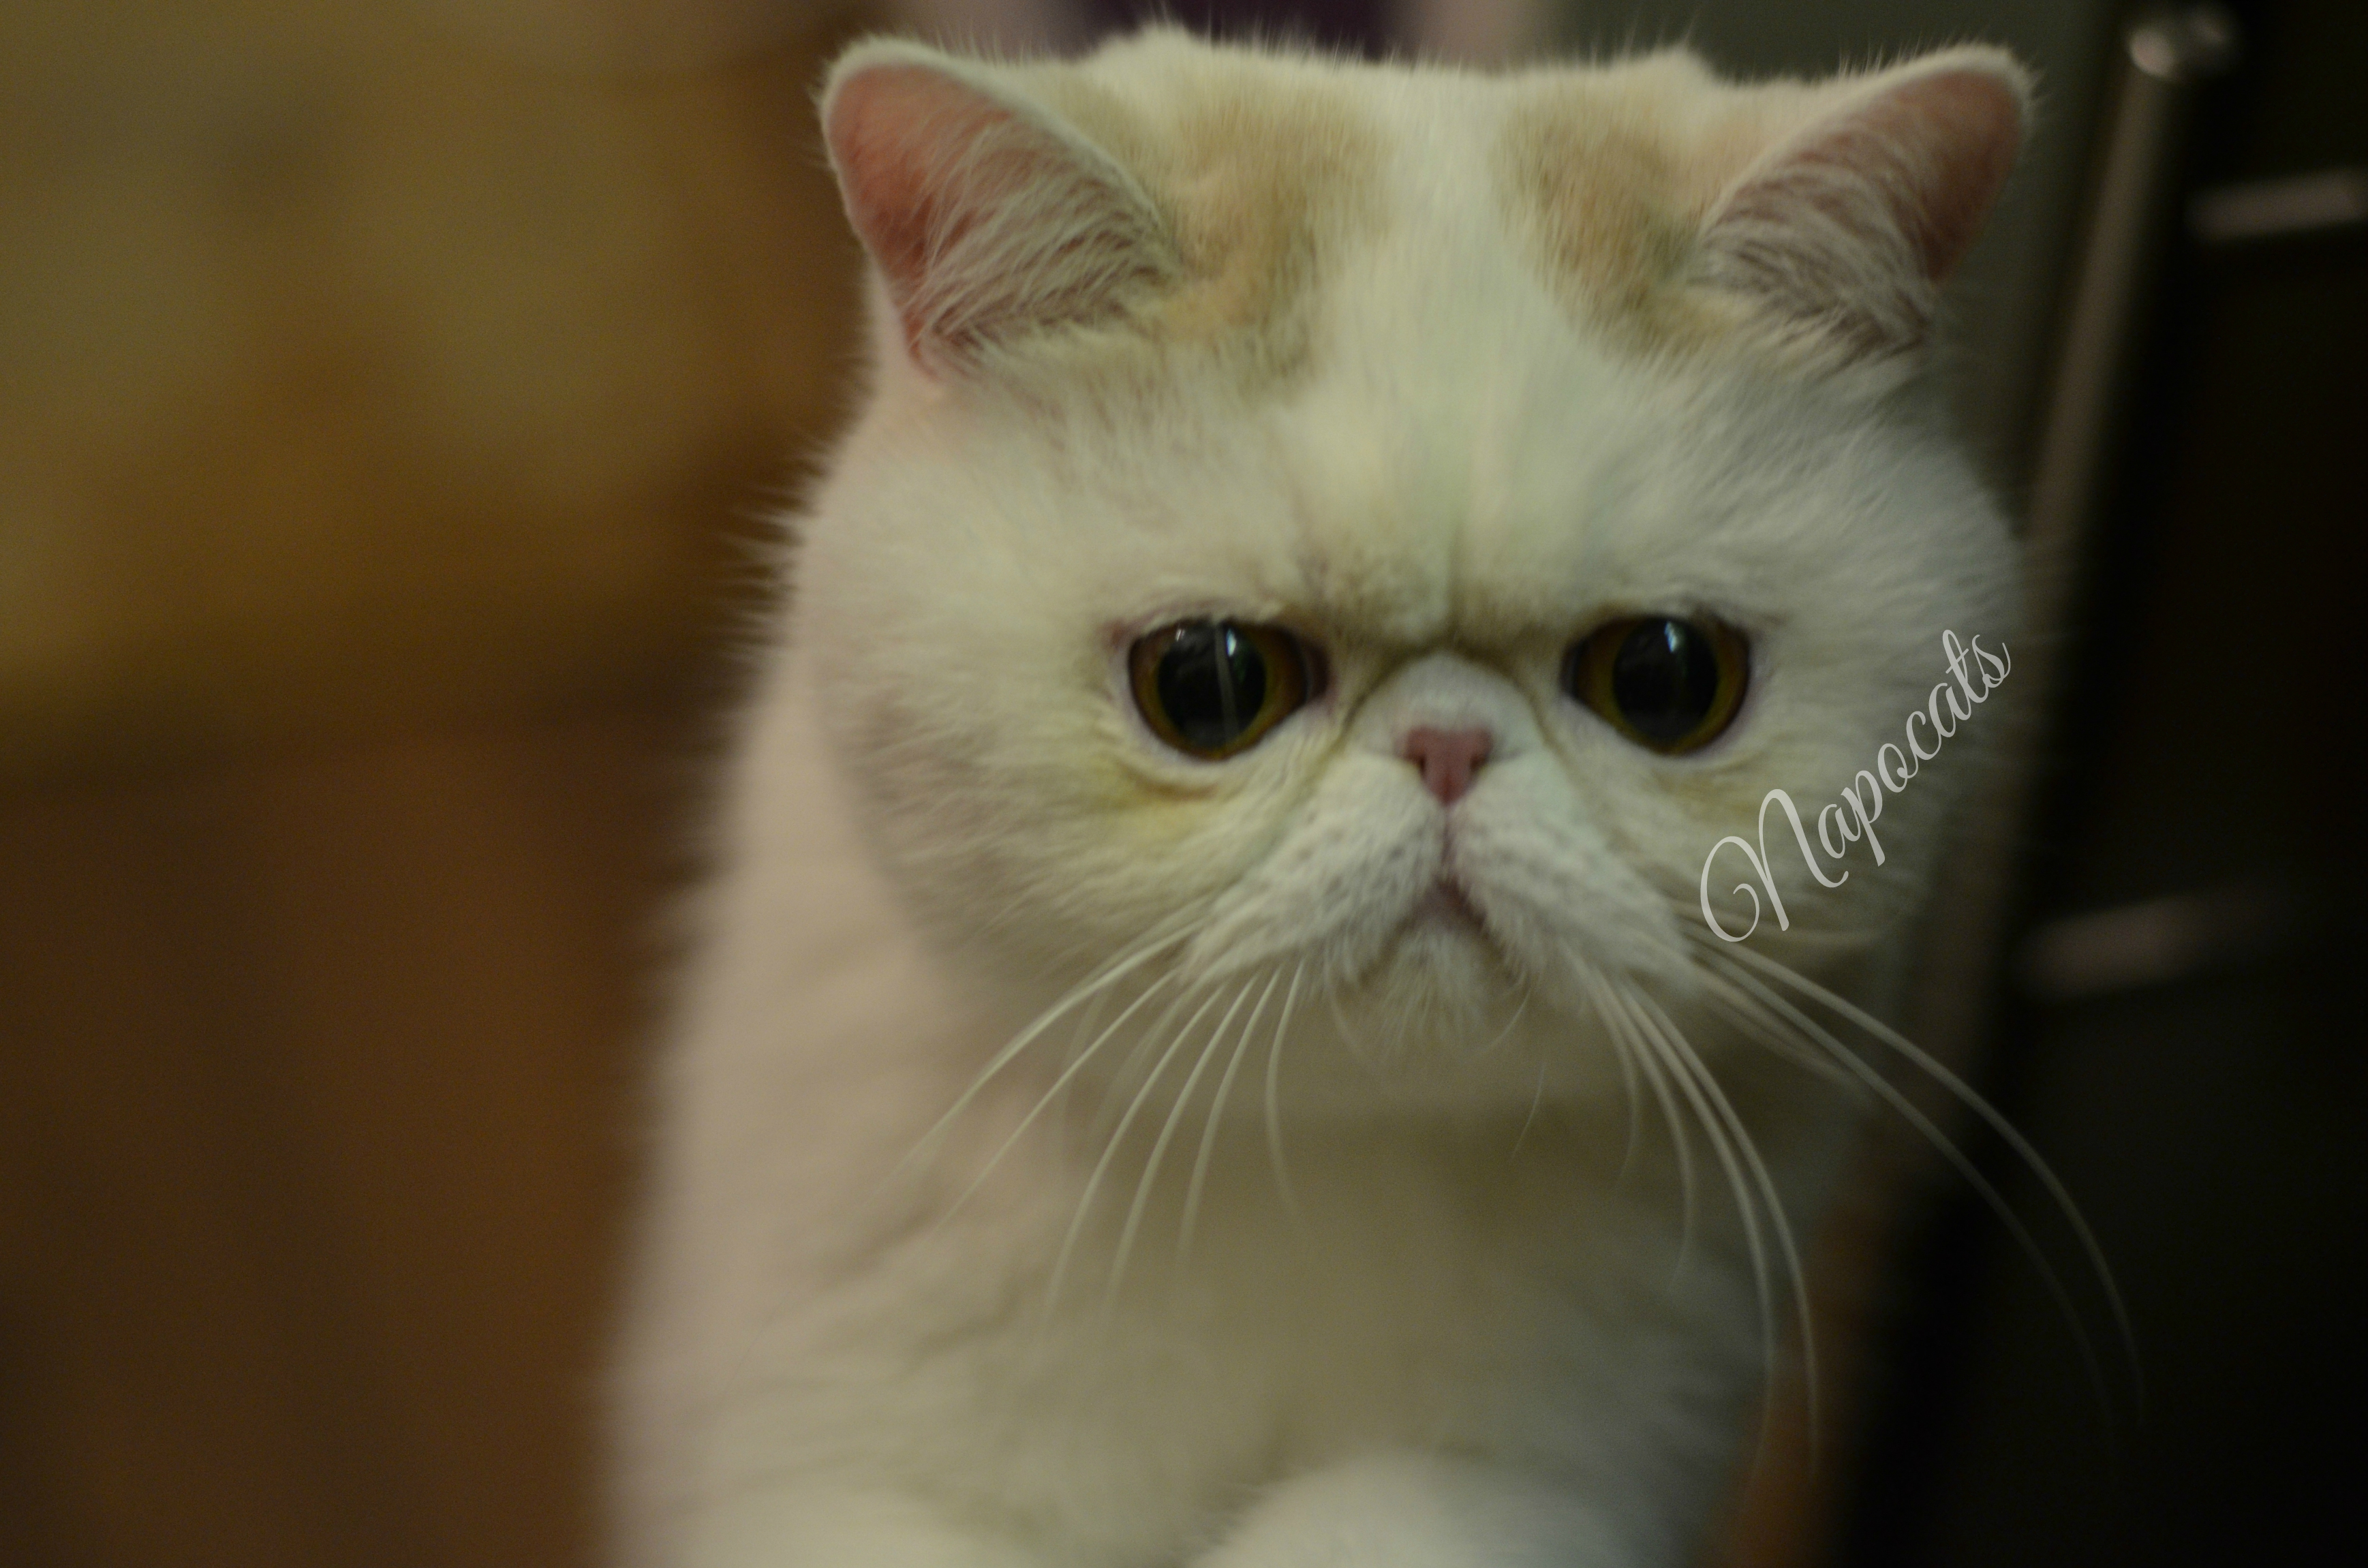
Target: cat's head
[1372, 530]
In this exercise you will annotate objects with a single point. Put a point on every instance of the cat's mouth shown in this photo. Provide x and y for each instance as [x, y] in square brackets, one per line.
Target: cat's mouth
[1446, 906]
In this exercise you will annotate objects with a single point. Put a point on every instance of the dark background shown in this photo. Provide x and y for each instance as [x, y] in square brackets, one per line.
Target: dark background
[2207, 749]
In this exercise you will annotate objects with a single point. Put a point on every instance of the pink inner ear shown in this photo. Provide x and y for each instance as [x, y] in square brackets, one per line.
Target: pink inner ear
[984, 220]
[896, 132]
[1956, 133]
[1846, 230]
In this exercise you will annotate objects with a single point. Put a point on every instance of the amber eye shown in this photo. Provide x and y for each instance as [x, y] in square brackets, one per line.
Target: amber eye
[1669, 685]
[1211, 688]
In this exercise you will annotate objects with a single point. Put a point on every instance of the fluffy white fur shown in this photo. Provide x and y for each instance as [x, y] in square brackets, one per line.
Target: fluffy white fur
[1074, 1153]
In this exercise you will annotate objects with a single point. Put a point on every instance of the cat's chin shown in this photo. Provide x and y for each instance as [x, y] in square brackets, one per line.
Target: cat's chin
[1441, 995]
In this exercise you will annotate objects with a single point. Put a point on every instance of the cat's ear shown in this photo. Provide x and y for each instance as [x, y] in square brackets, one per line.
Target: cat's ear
[1843, 230]
[985, 214]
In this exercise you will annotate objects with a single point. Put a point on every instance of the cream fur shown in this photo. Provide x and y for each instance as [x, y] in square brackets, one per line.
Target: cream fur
[1453, 1304]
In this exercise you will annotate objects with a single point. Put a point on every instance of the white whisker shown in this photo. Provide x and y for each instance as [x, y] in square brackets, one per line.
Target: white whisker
[1797, 1052]
[1743, 990]
[1537, 1098]
[1744, 1208]
[1686, 1056]
[1159, 1145]
[1615, 1018]
[1519, 1008]
[1273, 1082]
[1933, 1068]
[1109, 1150]
[1216, 1110]
[1054, 1093]
[1146, 1048]
[1110, 974]
[1635, 1110]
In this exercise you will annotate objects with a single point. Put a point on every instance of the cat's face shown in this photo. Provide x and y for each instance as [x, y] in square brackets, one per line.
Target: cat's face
[1386, 614]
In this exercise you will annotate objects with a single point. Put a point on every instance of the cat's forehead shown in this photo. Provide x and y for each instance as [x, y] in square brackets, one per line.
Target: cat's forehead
[1277, 171]
[1487, 489]
[1462, 282]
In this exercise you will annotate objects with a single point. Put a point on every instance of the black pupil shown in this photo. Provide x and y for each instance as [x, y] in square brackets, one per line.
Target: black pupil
[1212, 684]
[1665, 678]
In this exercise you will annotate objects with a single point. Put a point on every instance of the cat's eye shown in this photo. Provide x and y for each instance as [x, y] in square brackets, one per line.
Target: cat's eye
[1213, 688]
[1668, 684]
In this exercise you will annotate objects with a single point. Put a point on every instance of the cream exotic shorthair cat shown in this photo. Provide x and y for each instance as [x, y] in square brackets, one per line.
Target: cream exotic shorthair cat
[1203, 1047]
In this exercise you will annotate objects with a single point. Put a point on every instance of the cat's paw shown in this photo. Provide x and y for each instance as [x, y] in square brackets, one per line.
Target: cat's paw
[1418, 1511]
[799, 1529]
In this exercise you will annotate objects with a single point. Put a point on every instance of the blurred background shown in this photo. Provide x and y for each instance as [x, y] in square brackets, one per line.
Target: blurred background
[388, 397]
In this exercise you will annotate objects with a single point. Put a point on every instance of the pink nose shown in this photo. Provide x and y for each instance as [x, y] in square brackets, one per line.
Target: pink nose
[1448, 758]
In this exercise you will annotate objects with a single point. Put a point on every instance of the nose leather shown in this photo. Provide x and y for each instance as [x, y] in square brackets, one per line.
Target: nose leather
[1446, 759]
